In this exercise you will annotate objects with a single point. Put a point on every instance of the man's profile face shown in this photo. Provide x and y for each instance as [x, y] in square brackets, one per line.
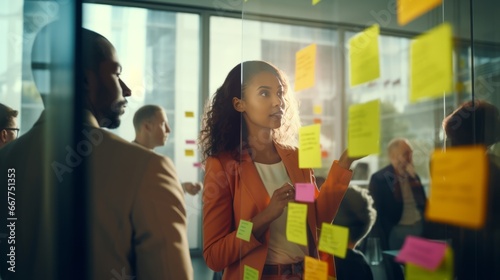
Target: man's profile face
[160, 128]
[9, 134]
[108, 91]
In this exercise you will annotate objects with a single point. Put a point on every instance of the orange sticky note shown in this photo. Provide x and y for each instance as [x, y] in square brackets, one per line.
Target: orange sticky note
[333, 239]
[364, 56]
[364, 129]
[189, 114]
[296, 223]
[189, 153]
[305, 67]
[315, 269]
[459, 186]
[431, 70]
[408, 10]
[250, 273]
[309, 146]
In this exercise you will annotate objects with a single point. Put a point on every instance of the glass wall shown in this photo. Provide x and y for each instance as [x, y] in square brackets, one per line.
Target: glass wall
[160, 54]
[164, 46]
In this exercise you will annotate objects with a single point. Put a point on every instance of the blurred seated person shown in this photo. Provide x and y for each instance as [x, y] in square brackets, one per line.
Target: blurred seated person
[399, 197]
[477, 252]
[356, 212]
[8, 125]
[152, 130]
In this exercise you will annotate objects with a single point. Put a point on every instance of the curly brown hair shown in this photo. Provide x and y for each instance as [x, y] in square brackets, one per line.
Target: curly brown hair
[223, 128]
[471, 123]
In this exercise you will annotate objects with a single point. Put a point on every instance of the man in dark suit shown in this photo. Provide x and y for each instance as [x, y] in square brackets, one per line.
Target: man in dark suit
[399, 197]
[136, 214]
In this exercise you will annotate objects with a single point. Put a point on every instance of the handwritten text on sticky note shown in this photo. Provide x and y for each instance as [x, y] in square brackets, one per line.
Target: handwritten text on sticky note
[458, 198]
[296, 226]
[309, 146]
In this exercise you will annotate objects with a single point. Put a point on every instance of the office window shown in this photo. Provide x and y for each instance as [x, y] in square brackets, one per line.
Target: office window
[235, 40]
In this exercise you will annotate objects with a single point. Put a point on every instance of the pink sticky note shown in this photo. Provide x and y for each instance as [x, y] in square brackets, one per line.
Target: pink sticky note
[422, 252]
[304, 192]
[190, 141]
[197, 164]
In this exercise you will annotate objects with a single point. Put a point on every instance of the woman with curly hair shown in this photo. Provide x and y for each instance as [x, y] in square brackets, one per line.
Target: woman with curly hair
[251, 165]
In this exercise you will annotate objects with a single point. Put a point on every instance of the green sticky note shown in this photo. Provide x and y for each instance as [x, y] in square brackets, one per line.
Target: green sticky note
[443, 272]
[250, 273]
[244, 230]
[309, 146]
[364, 56]
[333, 239]
[364, 129]
[431, 64]
[296, 223]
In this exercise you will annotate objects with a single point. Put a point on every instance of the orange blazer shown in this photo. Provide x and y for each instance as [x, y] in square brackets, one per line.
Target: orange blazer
[234, 191]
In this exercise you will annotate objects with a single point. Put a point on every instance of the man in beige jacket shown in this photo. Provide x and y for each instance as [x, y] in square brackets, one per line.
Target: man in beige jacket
[136, 226]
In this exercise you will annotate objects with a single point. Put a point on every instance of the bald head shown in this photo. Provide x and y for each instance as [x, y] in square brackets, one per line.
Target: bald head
[151, 126]
[95, 49]
[400, 153]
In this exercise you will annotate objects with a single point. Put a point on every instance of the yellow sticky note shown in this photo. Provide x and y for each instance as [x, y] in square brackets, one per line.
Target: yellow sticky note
[364, 129]
[244, 230]
[250, 273]
[315, 269]
[189, 114]
[318, 109]
[189, 153]
[333, 239]
[431, 64]
[309, 146]
[459, 186]
[408, 10]
[305, 67]
[443, 272]
[364, 56]
[296, 226]
[314, 2]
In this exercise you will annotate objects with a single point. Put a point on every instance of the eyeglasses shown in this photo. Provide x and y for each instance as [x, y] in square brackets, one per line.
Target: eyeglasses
[13, 129]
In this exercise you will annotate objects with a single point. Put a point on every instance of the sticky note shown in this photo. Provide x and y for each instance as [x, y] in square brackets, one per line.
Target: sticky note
[190, 142]
[296, 227]
[408, 10]
[443, 272]
[197, 164]
[244, 230]
[364, 129]
[318, 109]
[324, 154]
[309, 146]
[316, 121]
[364, 56]
[458, 186]
[431, 64]
[189, 153]
[425, 253]
[305, 67]
[314, 2]
[315, 269]
[304, 192]
[250, 273]
[189, 114]
[333, 239]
